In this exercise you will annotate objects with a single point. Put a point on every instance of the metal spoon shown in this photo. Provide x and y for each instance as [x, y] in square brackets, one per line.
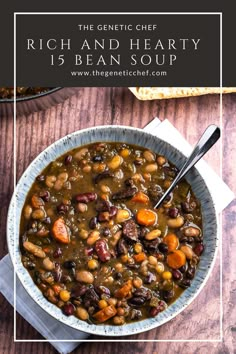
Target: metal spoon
[207, 140]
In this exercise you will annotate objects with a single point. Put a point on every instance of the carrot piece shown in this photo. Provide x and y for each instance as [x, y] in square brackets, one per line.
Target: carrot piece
[60, 231]
[57, 288]
[176, 259]
[46, 249]
[140, 197]
[124, 290]
[172, 242]
[146, 217]
[106, 313]
[36, 201]
[140, 257]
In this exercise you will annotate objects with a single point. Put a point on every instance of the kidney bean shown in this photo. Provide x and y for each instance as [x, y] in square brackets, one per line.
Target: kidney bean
[198, 249]
[68, 309]
[102, 205]
[57, 253]
[93, 222]
[103, 175]
[122, 247]
[89, 251]
[176, 274]
[130, 230]
[86, 197]
[102, 250]
[125, 194]
[113, 211]
[62, 208]
[68, 160]
[78, 290]
[45, 195]
[173, 212]
[155, 310]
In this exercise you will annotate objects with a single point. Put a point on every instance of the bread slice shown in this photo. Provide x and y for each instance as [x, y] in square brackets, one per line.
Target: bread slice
[157, 93]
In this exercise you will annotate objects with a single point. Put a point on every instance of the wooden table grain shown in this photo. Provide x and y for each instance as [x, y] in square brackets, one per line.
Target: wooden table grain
[98, 106]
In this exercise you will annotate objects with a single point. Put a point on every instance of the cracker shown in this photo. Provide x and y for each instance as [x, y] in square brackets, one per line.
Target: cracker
[155, 93]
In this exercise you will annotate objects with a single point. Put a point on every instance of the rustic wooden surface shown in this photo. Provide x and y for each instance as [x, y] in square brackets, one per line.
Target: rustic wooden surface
[98, 106]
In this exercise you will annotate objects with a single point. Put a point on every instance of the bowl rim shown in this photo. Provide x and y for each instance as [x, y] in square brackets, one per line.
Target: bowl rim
[99, 329]
[30, 97]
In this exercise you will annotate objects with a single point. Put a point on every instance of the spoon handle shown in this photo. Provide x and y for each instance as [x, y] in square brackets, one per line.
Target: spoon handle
[207, 140]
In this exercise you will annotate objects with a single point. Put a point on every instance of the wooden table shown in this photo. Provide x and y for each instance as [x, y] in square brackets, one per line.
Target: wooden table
[97, 106]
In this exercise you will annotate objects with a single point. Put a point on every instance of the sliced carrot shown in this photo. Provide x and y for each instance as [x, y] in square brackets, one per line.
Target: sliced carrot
[140, 197]
[176, 259]
[106, 313]
[140, 257]
[57, 289]
[172, 242]
[124, 290]
[60, 231]
[47, 249]
[146, 217]
[36, 201]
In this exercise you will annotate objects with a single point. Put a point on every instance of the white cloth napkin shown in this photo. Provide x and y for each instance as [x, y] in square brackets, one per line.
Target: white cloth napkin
[50, 328]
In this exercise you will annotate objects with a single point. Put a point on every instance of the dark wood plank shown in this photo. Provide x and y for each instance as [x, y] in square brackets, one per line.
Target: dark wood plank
[98, 106]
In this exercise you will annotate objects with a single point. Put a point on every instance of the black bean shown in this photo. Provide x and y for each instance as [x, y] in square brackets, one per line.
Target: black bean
[93, 222]
[173, 212]
[149, 278]
[135, 314]
[168, 295]
[103, 290]
[40, 178]
[47, 220]
[137, 301]
[68, 309]
[69, 264]
[163, 248]
[91, 298]
[129, 182]
[190, 273]
[143, 292]
[106, 231]
[185, 283]
[97, 158]
[184, 268]
[142, 231]
[188, 207]
[68, 159]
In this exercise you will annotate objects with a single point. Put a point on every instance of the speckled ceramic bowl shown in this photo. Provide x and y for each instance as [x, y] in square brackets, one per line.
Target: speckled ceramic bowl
[132, 136]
